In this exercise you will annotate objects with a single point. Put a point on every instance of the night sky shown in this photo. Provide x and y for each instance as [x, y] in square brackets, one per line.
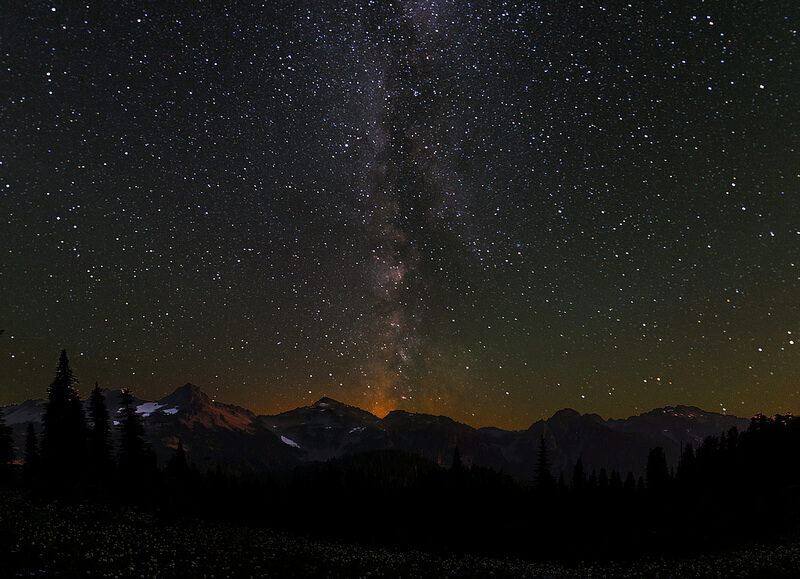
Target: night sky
[489, 210]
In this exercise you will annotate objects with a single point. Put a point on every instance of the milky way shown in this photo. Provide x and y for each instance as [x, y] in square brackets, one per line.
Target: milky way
[486, 210]
[405, 53]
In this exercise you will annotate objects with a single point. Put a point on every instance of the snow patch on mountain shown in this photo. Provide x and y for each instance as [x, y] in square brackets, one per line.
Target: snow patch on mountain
[290, 442]
[193, 407]
[148, 408]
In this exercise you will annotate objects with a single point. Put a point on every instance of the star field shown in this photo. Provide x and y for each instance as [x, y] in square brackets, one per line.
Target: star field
[485, 210]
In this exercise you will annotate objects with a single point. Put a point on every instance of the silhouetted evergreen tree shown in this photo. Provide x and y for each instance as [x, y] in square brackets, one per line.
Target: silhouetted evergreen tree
[602, 480]
[457, 476]
[708, 449]
[177, 466]
[615, 480]
[630, 483]
[182, 485]
[542, 477]
[134, 455]
[733, 440]
[100, 438]
[687, 468]
[656, 471]
[578, 476]
[63, 428]
[7, 452]
[457, 465]
[708, 462]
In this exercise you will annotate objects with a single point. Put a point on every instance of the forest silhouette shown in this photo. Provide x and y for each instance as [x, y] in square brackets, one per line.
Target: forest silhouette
[732, 488]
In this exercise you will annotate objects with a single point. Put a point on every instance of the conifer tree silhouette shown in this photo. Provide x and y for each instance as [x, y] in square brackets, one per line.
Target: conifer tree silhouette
[134, 455]
[457, 475]
[457, 465]
[602, 480]
[100, 437]
[687, 469]
[578, 476]
[542, 477]
[656, 471]
[615, 480]
[177, 466]
[7, 452]
[63, 427]
[630, 484]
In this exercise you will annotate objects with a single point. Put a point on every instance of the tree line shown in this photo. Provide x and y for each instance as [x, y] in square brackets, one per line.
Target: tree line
[75, 453]
[731, 487]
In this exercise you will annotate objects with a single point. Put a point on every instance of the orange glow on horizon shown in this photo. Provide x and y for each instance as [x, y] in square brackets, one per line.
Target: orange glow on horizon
[381, 408]
[378, 400]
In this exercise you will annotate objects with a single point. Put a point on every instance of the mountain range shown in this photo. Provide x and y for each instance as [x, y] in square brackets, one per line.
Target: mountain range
[240, 441]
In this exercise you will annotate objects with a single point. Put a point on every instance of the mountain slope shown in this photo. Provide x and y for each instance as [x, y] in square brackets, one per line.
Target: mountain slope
[323, 430]
[213, 433]
[672, 426]
[235, 438]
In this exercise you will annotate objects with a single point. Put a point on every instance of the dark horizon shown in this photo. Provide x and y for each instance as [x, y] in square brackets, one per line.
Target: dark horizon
[106, 501]
[215, 398]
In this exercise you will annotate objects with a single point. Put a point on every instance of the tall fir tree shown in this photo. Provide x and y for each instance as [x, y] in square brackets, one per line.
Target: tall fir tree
[7, 452]
[100, 436]
[602, 479]
[578, 476]
[63, 427]
[177, 466]
[686, 472]
[543, 479]
[134, 455]
[615, 480]
[656, 471]
[630, 484]
[458, 465]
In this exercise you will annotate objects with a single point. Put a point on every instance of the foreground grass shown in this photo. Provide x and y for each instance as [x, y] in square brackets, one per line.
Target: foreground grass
[92, 540]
